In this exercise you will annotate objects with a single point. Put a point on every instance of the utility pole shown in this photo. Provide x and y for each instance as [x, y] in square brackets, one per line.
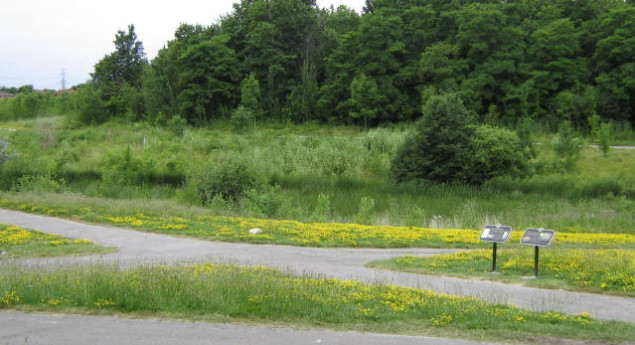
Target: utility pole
[63, 80]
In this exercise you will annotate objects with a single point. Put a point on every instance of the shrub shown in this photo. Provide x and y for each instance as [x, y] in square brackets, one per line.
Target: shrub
[4, 151]
[177, 125]
[496, 152]
[266, 201]
[603, 135]
[122, 169]
[227, 180]
[447, 146]
[567, 148]
[438, 149]
[242, 119]
[365, 213]
[322, 211]
[91, 109]
[39, 184]
[604, 187]
[27, 105]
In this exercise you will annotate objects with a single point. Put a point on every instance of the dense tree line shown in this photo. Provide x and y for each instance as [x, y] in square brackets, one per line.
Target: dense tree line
[288, 60]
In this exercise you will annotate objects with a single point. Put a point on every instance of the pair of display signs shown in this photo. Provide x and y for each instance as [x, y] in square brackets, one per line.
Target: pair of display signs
[531, 237]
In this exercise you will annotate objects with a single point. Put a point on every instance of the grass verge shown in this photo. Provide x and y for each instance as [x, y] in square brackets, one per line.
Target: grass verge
[16, 242]
[200, 224]
[260, 294]
[610, 271]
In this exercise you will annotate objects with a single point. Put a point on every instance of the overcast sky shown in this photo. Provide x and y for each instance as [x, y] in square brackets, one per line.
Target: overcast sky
[40, 38]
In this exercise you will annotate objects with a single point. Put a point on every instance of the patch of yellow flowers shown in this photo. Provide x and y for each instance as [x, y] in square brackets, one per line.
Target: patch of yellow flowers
[336, 234]
[372, 302]
[311, 234]
[11, 235]
[9, 298]
[606, 269]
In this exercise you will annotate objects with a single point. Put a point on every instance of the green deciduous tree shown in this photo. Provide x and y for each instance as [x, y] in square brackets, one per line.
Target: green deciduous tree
[120, 72]
[615, 61]
[209, 80]
[365, 99]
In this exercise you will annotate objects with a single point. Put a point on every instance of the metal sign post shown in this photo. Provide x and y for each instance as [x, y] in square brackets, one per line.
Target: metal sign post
[495, 234]
[537, 238]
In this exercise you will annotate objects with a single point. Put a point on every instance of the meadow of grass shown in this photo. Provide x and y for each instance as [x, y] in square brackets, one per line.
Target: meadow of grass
[234, 293]
[313, 186]
[16, 242]
[610, 271]
[307, 173]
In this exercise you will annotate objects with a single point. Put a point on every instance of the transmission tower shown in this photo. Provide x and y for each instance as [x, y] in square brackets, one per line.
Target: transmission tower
[63, 79]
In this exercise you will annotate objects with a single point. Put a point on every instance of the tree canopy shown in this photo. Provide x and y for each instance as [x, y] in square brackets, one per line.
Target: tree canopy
[547, 60]
[118, 76]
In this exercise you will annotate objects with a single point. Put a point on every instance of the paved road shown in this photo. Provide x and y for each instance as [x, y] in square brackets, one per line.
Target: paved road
[35, 329]
[138, 247]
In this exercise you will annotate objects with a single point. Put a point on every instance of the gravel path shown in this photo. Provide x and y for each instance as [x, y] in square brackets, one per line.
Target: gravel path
[140, 247]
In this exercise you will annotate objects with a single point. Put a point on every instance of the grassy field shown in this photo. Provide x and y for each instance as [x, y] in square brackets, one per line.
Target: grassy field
[608, 271]
[16, 242]
[188, 222]
[314, 186]
[259, 294]
[310, 174]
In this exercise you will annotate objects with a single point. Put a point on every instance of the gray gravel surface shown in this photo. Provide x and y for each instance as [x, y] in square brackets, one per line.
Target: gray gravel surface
[136, 247]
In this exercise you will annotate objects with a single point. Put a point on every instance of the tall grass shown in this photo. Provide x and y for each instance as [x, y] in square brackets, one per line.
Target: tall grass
[224, 292]
[309, 173]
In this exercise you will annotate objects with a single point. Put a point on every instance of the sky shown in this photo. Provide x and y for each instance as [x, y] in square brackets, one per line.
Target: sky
[43, 42]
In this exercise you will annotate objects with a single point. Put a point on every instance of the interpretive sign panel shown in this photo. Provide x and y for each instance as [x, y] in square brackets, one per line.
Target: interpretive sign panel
[537, 237]
[496, 233]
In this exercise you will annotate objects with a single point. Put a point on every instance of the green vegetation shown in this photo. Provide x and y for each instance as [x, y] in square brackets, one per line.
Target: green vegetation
[16, 242]
[225, 292]
[305, 173]
[609, 271]
[550, 61]
[447, 146]
[236, 229]
[282, 110]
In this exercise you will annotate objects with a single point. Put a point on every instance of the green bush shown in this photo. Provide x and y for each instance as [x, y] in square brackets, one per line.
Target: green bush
[91, 108]
[496, 152]
[605, 187]
[447, 146]
[27, 105]
[4, 151]
[228, 180]
[266, 201]
[438, 150]
[39, 184]
[567, 148]
[242, 119]
[177, 125]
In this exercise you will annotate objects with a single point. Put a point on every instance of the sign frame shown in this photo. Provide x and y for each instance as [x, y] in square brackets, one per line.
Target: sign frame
[537, 238]
[495, 234]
